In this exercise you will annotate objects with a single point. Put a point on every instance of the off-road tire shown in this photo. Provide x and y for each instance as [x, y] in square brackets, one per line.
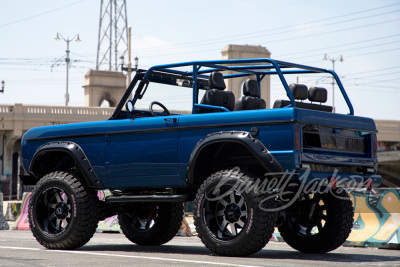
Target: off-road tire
[250, 224]
[336, 212]
[63, 211]
[161, 228]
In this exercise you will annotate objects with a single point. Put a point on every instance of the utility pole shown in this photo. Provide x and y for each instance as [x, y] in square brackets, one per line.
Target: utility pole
[67, 60]
[333, 60]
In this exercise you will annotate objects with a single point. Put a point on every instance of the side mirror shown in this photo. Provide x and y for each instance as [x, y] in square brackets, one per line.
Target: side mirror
[129, 106]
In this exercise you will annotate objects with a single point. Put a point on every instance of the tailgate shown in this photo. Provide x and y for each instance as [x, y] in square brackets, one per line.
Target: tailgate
[336, 141]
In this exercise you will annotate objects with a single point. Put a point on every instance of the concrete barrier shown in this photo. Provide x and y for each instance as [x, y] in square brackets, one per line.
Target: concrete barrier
[3, 223]
[185, 229]
[110, 224]
[13, 210]
[22, 222]
[376, 219]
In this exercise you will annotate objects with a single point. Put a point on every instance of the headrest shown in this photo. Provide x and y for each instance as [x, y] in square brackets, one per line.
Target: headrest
[216, 81]
[299, 91]
[317, 94]
[250, 88]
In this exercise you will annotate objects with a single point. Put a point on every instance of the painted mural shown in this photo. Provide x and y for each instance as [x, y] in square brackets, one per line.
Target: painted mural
[376, 218]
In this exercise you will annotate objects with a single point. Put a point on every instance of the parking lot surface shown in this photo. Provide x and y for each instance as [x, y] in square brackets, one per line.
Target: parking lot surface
[19, 248]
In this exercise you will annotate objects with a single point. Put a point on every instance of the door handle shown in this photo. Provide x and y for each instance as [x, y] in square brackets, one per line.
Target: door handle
[173, 120]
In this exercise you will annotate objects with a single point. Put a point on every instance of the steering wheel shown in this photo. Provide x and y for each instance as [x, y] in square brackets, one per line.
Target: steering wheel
[165, 112]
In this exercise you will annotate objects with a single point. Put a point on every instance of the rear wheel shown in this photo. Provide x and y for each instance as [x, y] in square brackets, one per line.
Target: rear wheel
[230, 221]
[318, 223]
[152, 225]
[62, 211]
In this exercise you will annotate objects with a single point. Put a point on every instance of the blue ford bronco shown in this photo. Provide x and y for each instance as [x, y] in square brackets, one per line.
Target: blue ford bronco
[246, 168]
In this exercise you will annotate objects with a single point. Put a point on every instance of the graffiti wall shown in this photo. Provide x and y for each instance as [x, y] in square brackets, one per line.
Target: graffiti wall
[376, 218]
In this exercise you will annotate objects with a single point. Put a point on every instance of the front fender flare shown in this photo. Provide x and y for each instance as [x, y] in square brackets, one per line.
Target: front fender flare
[76, 152]
[253, 145]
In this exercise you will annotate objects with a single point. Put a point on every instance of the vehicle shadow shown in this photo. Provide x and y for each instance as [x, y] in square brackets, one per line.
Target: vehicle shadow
[344, 257]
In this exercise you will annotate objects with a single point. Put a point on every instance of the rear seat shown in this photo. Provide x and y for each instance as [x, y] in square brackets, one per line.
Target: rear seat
[300, 92]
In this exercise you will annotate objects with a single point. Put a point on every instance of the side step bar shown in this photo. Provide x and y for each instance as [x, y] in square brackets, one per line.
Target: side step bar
[146, 198]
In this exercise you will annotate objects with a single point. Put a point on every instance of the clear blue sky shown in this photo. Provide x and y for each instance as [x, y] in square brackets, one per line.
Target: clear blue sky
[365, 32]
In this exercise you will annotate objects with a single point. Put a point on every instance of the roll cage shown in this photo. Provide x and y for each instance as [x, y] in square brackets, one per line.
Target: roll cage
[195, 75]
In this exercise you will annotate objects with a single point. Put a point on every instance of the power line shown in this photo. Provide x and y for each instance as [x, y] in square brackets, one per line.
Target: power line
[389, 68]
[40, 14]
[211, 41]
[281, 40]
[349, 49]
[340, 45]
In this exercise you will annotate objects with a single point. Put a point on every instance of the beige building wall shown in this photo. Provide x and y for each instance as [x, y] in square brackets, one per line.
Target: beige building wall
[247, 51]
[104, 85]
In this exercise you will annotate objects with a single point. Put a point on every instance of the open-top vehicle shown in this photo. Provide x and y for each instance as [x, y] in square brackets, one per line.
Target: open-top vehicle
[248, 169]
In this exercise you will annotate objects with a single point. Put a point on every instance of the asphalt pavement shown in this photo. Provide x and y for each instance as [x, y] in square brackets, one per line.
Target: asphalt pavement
[19, 248]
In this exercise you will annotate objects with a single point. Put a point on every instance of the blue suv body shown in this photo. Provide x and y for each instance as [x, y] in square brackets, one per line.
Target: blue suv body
[160, 158]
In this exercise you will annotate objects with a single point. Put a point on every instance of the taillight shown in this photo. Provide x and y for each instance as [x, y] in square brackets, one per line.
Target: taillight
[375, 146]
[297, 137]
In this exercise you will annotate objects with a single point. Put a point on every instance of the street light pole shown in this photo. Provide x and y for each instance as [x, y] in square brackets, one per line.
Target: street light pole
[129, 68]
[67, 60]
[2, 87]
[333, 60]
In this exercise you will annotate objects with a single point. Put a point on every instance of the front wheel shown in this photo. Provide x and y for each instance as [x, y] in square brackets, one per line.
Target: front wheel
[318, 223]
[231, 221]
[152, 225]
[63, 211]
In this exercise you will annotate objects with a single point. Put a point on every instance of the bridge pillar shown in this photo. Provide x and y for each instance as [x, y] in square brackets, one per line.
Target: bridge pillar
[104, 86]
[247, 51]
[10, 153]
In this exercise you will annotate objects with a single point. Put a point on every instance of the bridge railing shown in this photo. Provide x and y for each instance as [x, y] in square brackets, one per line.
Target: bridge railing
[59, 110]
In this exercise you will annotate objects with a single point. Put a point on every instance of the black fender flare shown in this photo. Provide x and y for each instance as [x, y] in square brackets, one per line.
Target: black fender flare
[253, 145]
[76, 152]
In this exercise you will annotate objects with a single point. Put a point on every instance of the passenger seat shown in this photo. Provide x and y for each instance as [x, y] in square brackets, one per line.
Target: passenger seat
[251, 97]
[215, 95]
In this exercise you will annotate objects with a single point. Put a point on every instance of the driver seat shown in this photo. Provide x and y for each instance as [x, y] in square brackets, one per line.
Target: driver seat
[216, 96]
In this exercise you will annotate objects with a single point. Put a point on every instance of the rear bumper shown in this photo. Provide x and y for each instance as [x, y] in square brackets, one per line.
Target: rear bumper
[339, 179]
[338, 160]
